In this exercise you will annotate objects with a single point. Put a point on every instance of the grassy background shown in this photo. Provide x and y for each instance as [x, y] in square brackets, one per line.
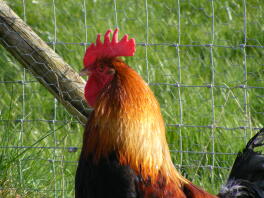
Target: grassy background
[47, 167]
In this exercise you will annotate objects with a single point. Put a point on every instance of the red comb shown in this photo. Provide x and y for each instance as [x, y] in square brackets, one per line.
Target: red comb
[109, 49]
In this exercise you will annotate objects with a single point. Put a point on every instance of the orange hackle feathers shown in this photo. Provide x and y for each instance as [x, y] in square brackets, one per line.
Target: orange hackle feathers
[128, 120]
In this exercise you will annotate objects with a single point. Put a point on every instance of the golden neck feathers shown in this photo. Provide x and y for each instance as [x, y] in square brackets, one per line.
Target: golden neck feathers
[127, 120]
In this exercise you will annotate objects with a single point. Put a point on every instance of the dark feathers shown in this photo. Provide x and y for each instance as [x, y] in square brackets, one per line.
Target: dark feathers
[246, 179]
[105, 179]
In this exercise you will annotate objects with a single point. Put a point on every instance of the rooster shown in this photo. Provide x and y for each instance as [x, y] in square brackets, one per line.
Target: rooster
[125, 153]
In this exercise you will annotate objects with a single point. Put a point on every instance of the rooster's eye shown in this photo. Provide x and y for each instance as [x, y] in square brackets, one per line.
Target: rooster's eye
[111, 71]
[100, 68]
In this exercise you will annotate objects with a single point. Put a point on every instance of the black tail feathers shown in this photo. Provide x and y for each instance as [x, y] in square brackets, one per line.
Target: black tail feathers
[246, 179]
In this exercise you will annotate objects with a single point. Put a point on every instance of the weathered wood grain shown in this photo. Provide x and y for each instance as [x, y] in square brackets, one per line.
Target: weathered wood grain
[47, 66]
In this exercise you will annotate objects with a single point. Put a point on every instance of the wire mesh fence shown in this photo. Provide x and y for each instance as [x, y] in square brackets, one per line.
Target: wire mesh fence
[203, 59]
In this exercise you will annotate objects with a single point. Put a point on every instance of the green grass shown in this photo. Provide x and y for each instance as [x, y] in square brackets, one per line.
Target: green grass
[49, 172]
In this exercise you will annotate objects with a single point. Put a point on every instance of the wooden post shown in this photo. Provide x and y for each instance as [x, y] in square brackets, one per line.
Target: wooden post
[47, 66]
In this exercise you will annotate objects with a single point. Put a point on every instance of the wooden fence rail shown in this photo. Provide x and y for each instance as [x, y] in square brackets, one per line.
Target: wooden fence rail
[47, 66]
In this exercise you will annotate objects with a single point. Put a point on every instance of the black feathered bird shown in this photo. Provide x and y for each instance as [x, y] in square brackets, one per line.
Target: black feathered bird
[246, 179]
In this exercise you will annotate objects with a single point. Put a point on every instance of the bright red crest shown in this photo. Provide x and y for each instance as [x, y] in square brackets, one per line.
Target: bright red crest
[109, 49]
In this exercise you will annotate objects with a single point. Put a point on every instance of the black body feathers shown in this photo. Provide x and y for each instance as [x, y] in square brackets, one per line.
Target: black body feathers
[246, 179]
[105, 179]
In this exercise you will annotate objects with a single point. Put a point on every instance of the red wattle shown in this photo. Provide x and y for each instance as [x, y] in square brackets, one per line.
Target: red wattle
[94, 86]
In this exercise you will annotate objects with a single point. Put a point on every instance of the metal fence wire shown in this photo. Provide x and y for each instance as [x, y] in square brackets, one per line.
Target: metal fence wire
[203, 60]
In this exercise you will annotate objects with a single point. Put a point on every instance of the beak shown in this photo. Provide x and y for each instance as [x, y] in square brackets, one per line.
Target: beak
[85, 72]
